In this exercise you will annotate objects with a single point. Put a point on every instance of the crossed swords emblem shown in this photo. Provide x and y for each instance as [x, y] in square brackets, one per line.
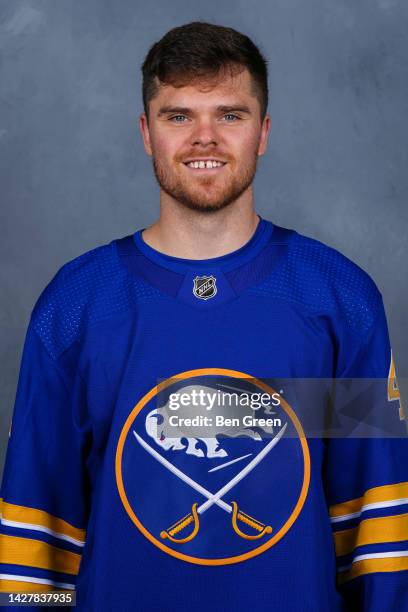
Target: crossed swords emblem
[214, 498]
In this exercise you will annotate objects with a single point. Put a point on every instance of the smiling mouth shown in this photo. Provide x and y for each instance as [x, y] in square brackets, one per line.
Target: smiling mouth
[205, 165]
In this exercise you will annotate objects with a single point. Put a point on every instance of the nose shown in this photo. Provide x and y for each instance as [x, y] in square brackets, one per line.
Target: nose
[204, 134]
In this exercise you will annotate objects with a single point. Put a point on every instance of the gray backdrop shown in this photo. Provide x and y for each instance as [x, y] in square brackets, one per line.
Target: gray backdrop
[74, 173]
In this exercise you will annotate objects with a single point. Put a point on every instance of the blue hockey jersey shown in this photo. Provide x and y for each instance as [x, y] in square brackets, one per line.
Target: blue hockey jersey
[101, 497]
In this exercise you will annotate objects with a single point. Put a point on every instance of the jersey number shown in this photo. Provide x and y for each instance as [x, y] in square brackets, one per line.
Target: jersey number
[393, 390]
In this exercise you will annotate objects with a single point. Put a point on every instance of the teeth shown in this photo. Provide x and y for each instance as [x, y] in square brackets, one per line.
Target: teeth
[205, 164]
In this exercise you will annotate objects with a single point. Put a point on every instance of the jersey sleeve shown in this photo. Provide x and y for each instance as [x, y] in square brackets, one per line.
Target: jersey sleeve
[45, 487]
[367, 489]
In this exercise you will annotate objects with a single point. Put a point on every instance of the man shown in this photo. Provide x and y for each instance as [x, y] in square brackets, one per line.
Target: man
[109, 485]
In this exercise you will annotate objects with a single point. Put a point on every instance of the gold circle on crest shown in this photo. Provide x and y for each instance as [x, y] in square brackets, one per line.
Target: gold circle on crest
[238, 558]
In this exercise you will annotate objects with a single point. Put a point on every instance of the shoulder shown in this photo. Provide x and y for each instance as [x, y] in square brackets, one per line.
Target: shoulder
[334, 282]
[325, 281]
[89, 288]
[336, 273]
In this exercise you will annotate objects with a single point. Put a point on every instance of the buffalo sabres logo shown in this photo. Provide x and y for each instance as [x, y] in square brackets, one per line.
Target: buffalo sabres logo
[219, 493]
[204, 287]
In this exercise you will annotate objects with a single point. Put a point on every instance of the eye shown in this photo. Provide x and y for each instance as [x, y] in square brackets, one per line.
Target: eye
[233, 117]
[174, 117]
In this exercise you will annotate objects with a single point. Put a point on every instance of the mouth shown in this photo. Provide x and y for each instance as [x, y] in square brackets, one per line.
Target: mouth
[205, 165]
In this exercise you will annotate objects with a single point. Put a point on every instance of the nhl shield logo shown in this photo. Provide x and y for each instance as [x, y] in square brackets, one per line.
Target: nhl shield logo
[205, 287]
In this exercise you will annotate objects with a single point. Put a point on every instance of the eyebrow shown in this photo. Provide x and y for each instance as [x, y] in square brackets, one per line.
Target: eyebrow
[184, 110]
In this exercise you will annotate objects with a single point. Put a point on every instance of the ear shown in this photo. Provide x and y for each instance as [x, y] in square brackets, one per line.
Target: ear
[265, 129]
[144, 129]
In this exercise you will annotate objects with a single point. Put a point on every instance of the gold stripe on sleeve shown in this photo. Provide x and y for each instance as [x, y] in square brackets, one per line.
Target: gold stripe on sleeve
[35, 553]
[371, 496]
[17, 586]
[31, 516]
[372, 531]
[369, 566]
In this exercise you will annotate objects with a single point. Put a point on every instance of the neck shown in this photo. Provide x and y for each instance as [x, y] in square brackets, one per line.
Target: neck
[191, 234]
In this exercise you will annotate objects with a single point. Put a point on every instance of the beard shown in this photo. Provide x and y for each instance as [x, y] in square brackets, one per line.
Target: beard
[201, 193]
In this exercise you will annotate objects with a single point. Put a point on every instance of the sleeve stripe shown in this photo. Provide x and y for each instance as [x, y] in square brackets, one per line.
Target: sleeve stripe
[370, 564]
[35, 553]
[387, 494]
[39, 520]
[61, 536]
[381, 555]
[7, 583]
[372, 531]
[366, 507]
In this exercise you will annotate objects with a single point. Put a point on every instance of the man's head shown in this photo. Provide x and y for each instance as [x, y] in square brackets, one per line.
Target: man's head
[205, 98]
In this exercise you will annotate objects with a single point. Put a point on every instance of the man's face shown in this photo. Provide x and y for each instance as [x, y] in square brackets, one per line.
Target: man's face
[201, 123]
